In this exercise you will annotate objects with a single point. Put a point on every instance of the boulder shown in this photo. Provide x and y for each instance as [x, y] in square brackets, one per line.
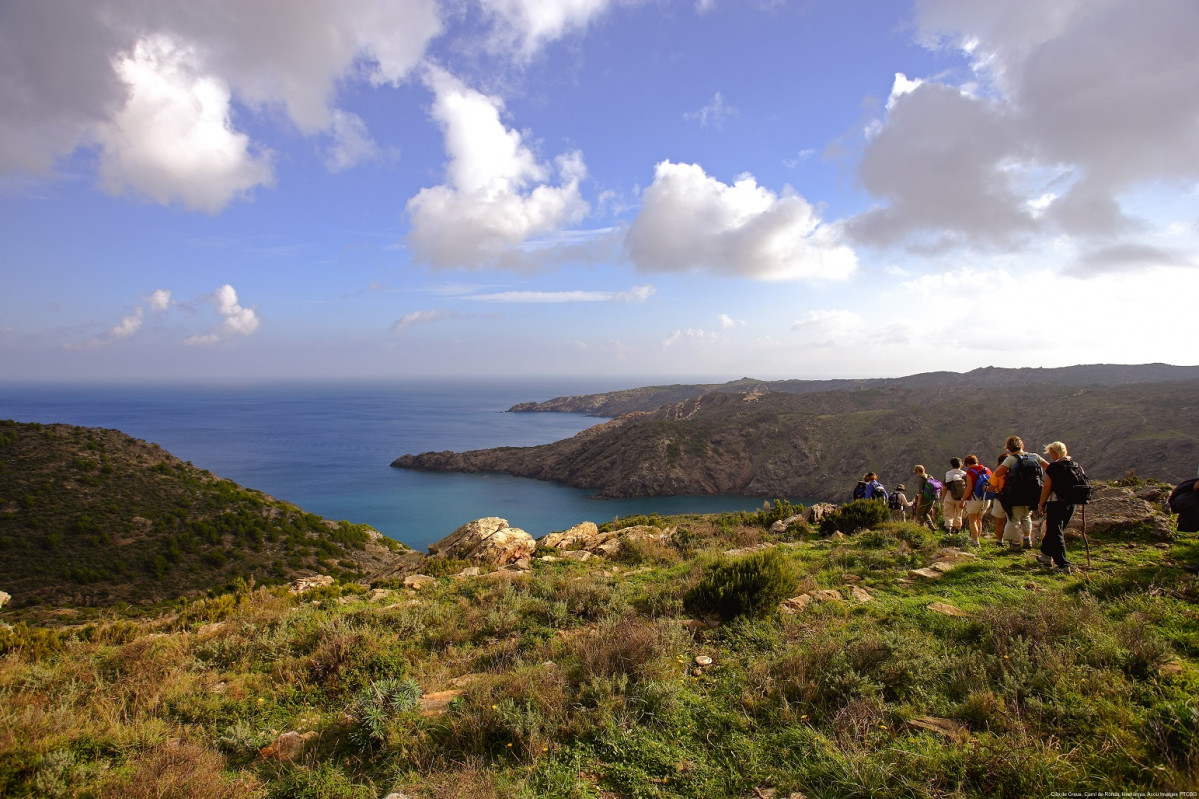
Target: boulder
[584, 540]
[488, 542]
[859, 593]
[1114, 507]
[795, 604]
[947, 609]
[781, 525]
[287, 748]
[418, 581]
[570, 539]
[4, 597]
[308, 583]
[814, 514]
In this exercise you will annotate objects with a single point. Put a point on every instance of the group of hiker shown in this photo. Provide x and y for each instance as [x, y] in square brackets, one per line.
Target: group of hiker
[1020, 484]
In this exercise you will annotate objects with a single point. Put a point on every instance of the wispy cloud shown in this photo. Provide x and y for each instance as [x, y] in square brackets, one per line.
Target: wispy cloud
[635, 294]
[421, 317]
[713, 114]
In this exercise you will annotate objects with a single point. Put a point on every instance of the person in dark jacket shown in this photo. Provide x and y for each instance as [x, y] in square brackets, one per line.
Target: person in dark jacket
[1057, 510]
[1184, 500]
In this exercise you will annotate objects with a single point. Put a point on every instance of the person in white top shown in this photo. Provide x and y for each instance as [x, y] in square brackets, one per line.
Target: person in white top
[953, 502]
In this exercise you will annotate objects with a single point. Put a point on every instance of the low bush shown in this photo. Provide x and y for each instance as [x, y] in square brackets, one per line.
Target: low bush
[861, 514]
[752, 585]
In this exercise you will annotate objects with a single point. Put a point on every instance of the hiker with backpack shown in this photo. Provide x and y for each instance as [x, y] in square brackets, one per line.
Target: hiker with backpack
[899, 503]
[870, 488]
[978, 479]
[1067, 484]
[994, 488]
[1023, 475]
[953, 503]
[928, 493]
[1184, 500]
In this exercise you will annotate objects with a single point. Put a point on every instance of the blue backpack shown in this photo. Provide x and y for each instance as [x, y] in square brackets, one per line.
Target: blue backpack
[982, 482]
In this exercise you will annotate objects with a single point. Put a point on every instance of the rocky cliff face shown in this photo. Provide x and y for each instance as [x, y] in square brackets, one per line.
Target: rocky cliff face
[815, 445]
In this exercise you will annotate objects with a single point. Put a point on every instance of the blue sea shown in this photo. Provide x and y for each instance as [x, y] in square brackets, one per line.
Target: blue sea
[328, 448]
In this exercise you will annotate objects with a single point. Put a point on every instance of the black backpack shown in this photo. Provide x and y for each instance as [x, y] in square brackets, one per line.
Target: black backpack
[1070, 483]
[1185, 502]
[894, 501]
[859, 491]
[1024, 483]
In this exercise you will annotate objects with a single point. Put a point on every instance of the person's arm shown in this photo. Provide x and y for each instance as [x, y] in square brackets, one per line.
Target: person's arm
[1045, 492]
[971, 479]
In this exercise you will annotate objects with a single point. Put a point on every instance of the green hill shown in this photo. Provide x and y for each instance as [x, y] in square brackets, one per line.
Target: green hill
[91, 517]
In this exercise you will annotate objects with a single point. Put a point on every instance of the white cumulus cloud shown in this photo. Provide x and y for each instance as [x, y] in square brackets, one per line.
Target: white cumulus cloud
[236, 320]
[153, 84]
[1068, 108]
[497, 194]
[173, 139]
[690, 221]
[158, 300]
[528, 25]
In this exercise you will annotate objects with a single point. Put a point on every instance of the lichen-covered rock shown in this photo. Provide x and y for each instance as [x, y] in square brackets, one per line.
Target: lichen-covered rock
[1114, 507]
[570, 539]
[814, 514]
[488, 542]
[287, 748]
[308, 583]
[586, 538]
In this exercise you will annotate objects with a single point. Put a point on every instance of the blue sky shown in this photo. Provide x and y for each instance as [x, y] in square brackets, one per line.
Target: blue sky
[231, 190]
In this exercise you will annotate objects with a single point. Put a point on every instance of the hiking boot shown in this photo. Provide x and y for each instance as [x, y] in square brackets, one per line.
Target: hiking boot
[1044, 560]
[1067, 569]
[1027, 544]
[1013, 548]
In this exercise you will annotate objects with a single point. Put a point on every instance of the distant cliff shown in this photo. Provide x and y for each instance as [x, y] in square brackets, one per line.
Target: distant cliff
[815, 445]
[648, 398]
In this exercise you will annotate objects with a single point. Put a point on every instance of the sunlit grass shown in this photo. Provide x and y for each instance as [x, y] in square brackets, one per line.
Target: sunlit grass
[581, 680]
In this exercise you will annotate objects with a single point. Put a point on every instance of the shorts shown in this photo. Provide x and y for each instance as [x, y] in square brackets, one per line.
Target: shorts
[977, 507]
[997, 510]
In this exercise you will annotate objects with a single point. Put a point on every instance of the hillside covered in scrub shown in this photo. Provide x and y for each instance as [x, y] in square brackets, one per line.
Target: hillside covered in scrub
[734, 655]
[816, 444]
[91, 517]
[990, 378]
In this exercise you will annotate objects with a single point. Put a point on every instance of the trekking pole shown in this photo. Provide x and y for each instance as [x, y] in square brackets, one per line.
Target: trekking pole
[1086, 541]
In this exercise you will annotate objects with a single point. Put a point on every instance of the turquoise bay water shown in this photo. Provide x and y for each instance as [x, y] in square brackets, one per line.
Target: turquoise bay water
[327, 448]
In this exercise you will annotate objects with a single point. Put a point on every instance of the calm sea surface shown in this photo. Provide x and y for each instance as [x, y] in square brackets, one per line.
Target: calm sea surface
[328, 448]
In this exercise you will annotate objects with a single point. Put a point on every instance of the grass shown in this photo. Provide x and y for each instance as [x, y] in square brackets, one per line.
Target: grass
[581, 680]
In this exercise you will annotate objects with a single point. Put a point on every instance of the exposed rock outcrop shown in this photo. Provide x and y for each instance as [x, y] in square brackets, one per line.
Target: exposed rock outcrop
[488, 542]
[586, 538]
[1114, 507]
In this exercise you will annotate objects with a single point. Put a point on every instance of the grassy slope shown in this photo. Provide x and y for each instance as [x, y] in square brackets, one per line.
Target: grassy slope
[91, 516]
[584, 684]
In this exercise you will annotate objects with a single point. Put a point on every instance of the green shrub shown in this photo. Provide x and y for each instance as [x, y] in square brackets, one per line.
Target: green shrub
[377, 703]
[861, 514]
[752, 585]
